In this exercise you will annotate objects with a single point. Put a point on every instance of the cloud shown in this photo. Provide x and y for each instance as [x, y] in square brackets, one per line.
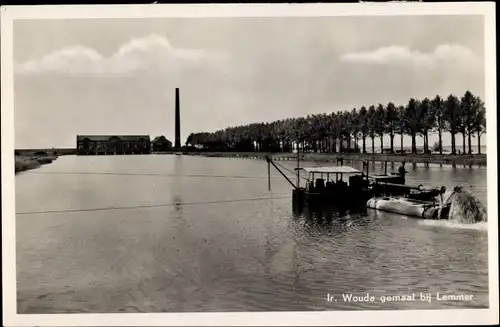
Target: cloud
[153, 52]
[400, 55]
[217, 89]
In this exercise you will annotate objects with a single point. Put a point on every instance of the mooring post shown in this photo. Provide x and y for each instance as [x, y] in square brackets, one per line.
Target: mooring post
[279, 170]
[385, 169]
[298, 165]
[269, 175]
[367, 169]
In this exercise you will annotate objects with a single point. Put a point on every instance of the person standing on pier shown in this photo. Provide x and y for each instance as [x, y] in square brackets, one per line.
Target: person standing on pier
[402, 171]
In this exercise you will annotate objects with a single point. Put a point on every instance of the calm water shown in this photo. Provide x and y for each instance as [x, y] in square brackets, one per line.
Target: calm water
[172, 239]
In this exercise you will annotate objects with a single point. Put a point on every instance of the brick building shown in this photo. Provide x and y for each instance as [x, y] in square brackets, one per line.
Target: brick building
[113, 144]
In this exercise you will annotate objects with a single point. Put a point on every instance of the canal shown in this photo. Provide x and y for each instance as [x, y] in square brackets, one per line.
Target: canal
[164, 233]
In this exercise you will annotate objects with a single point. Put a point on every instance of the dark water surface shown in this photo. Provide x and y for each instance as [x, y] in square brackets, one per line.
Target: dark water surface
[176, 241]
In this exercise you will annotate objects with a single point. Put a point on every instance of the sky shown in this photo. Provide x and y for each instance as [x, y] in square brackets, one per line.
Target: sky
[118, 76]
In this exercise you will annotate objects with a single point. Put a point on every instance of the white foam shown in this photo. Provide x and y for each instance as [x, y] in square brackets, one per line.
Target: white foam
[465, 207]
[481, 226]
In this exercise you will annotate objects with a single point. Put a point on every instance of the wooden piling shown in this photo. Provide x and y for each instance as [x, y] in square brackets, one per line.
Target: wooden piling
[269, 175]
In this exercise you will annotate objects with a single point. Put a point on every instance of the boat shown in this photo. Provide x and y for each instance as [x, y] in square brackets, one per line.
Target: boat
[410, 207]
[413, 201]
[339, 186]
[346, 187]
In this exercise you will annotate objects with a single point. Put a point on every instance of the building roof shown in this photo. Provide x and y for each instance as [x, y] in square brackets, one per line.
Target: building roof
[104, 138]
[332, 170]
[160, 138]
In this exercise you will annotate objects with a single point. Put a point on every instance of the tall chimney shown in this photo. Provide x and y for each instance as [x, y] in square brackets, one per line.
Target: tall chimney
[177, 120]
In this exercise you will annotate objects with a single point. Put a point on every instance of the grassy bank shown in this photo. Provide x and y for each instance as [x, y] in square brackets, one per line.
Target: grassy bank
[23, 163]
[445, 159]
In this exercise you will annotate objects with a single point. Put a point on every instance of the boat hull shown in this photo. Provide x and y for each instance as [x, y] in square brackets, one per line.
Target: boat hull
[347, 199]
[402, 206]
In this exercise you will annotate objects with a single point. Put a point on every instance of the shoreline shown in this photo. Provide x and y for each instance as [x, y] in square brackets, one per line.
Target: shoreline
[25, 163]
[28, 162]
[444, 159]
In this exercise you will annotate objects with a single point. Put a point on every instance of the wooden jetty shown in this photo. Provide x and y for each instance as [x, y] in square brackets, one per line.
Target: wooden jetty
[413, 159]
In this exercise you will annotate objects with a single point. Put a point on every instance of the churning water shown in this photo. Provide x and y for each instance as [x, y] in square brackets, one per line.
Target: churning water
[185, 234]
[465, 207]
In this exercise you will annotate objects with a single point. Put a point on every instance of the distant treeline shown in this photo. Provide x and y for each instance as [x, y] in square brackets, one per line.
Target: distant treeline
[338, 130]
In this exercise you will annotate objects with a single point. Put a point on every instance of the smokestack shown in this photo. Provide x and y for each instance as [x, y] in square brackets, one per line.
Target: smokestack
[177, 120]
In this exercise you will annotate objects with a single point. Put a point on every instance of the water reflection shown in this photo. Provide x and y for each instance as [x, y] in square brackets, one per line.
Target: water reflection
[176, 186]
[332, 221]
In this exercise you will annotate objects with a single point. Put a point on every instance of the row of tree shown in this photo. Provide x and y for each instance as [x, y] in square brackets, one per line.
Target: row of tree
[337, 131]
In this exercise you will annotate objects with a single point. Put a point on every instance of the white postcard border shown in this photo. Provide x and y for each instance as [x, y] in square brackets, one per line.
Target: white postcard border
[355, 318]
